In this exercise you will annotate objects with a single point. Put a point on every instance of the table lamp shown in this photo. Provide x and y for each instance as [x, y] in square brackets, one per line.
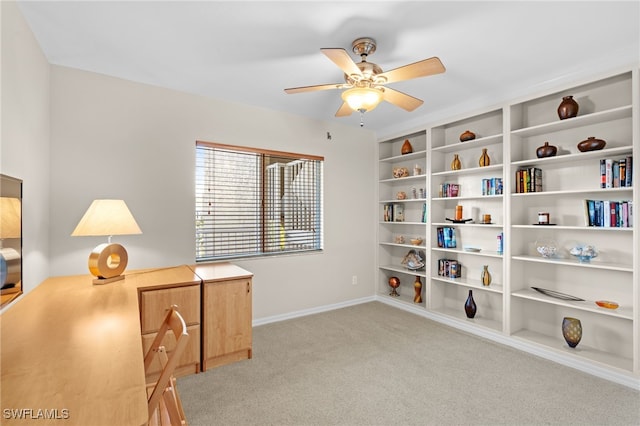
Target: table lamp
[107, 261]
[10, 227]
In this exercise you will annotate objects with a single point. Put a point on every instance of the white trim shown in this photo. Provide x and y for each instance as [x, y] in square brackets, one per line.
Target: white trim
[311, 311]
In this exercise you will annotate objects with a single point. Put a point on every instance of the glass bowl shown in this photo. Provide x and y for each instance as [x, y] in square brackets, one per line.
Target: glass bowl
[546, 248]
[584, 253]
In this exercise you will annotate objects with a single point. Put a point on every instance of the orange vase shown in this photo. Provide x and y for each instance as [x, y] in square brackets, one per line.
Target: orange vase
[406, 147]
[484, 158]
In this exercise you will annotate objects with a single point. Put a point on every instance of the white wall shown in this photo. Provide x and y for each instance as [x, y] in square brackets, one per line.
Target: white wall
[112, 138]
[24, 143]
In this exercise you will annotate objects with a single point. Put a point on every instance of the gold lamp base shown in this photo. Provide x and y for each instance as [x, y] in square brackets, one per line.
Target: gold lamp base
[107, 262]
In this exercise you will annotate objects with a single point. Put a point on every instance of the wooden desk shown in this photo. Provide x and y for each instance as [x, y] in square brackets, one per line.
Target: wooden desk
[75, 350]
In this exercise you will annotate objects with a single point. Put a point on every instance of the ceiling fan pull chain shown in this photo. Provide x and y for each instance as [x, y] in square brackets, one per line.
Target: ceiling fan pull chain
[361, 117]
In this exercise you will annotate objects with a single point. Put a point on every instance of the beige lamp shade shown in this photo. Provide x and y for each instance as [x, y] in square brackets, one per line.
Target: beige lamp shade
[107, 217]
[107, 262]
[10, 218]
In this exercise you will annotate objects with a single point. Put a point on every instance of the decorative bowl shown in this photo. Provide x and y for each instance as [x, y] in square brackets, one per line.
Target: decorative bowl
[584, 253]
[607, 304]
[414, 260]
[416, 241]
[546, 248]
[400, 172]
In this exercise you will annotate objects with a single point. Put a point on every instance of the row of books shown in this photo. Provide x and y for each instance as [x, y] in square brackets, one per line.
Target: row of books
[608, 214]
[616, 173]
[449, 268]
[529, 180]
[446, 236]
[492, 186]
[447, 190]
[393, 213]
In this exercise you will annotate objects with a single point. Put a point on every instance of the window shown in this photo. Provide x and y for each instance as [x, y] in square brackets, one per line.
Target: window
[252, 202]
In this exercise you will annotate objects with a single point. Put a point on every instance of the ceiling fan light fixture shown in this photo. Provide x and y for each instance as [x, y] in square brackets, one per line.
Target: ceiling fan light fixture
[362, 98]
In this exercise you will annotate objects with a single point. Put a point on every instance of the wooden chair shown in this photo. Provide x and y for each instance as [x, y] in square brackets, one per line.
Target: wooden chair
[165, 407]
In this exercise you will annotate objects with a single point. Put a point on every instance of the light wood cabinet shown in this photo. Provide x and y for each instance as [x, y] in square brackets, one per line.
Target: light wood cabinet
[226, 314]
[155, 298]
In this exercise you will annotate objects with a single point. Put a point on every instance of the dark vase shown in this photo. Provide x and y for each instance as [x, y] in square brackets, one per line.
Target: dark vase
[470, 306]
[546, 150]
[571, 331]
[568, 108]
[591, 144]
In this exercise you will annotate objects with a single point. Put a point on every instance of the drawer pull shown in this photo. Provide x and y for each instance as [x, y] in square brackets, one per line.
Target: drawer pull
[248, 287]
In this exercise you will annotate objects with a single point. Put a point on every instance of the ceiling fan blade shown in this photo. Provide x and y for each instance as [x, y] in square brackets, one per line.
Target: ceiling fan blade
[314, 88]
[344, 110]
[341, 58]
[404, 101]
[417, 69]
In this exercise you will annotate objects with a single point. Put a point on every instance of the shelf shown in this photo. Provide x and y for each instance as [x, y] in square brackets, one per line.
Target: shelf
[599, 191]
[469, 171]
[403, 179]
[515, 130]
[580, 351]
[397, 158]
[409, 246]
[476, 197]
[573, 123]
[483, 253]
[475, 143]
[407, 200]
[479, 320]
[574, 228]
[470, 283]
[589, 306]
[401, 270]
[570, 158]
[468, 224]
[571, 262]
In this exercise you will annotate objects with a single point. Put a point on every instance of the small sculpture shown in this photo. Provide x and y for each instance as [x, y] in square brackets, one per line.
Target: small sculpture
[394, 283]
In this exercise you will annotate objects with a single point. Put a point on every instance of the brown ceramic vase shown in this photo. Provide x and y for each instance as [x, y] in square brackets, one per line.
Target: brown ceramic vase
[546, 150]
[591, 144]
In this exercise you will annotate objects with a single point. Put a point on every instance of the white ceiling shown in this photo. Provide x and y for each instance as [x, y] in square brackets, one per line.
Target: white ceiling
[250, 51]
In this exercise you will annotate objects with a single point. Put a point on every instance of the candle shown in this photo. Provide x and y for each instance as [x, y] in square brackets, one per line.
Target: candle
[458, 212]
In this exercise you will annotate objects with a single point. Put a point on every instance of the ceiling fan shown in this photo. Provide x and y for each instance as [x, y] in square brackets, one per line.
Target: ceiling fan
[365, 81]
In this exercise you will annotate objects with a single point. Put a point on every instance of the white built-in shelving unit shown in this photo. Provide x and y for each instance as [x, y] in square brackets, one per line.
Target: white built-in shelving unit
[509, 310]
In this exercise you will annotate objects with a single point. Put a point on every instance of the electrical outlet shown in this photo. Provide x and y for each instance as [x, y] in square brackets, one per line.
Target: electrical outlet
[354, 280]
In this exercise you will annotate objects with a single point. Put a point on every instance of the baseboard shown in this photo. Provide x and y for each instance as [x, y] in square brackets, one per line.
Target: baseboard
[604, 372]
[311, 311]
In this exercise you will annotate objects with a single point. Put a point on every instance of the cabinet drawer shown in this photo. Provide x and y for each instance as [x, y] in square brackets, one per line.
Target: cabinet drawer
[188, 363]
[154, 305]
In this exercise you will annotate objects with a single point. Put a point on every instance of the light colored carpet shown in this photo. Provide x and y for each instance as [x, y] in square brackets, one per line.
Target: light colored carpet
[373, 364]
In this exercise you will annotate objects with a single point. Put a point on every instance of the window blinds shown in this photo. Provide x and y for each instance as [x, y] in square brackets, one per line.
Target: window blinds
[256, 202]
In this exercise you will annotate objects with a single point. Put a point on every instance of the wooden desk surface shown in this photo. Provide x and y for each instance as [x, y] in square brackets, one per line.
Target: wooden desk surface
[74, 349]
